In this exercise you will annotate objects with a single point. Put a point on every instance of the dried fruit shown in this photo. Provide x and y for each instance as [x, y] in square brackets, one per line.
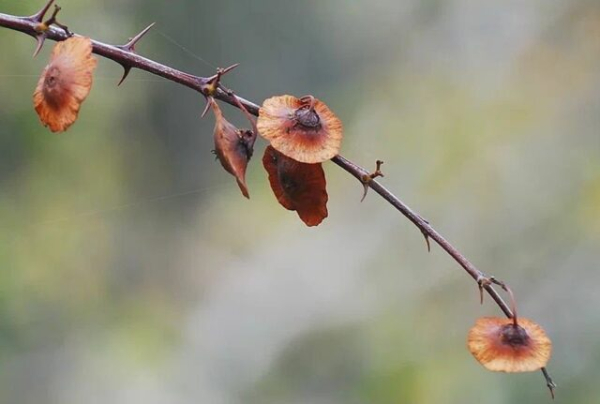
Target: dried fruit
[304, 128]
[65, 83]
[233, 147]
[297, 186]
[507, 345]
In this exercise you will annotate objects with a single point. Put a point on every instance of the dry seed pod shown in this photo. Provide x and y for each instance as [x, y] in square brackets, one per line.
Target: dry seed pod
[304, 128]
[233, 147]
[503, 346]
[65, 83]
[297, 186]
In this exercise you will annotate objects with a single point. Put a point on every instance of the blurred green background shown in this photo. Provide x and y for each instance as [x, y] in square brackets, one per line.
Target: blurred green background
[133, 271]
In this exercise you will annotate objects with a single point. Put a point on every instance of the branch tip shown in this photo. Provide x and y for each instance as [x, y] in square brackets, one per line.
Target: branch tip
[549, 382]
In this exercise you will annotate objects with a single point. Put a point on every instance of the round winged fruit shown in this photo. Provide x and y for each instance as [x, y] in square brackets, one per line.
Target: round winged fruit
[297, 186]
[304, 128]
[65, 83]
[503, 345]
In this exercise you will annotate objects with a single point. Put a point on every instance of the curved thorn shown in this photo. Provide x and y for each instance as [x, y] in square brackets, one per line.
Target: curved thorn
[428, 243]
[126, 70]
[366, 185]
[482, 282]
[40, 38]
[209, 101]
[366, 178]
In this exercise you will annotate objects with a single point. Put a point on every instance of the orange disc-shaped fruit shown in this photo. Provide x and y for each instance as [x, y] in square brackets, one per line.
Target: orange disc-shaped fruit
[304, 128]
[501, 346]
[65, 83]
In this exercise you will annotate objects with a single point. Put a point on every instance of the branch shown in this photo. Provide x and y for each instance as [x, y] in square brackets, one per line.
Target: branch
[125, 56]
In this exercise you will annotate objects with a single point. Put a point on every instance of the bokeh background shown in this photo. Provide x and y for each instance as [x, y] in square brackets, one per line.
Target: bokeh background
[133, 271]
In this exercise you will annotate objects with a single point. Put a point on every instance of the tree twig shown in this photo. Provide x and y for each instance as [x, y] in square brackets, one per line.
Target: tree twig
[126, 57]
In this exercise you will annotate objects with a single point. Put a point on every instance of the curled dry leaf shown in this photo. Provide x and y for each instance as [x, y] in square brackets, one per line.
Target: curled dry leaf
[304, 128]
[233, 147]
[503, 346]
[297, 186]
[65, 83]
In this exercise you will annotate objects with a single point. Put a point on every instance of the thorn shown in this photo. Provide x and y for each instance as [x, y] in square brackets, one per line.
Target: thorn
[484, 281]
[216, 78]
[43, 26]
[227, 69]
[481, 279]
[367, 178]
[366, 188]
[212, 83]
[425, 233]
[39, 16]
[40, 38]
[130, 45]
[427, 240]
[209, 101]
[126, 70]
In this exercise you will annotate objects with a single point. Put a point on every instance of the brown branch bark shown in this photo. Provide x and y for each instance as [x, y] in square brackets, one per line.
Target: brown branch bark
[126, 57]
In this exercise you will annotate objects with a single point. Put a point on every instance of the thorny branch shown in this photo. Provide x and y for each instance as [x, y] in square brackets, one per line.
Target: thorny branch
[125, 56]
